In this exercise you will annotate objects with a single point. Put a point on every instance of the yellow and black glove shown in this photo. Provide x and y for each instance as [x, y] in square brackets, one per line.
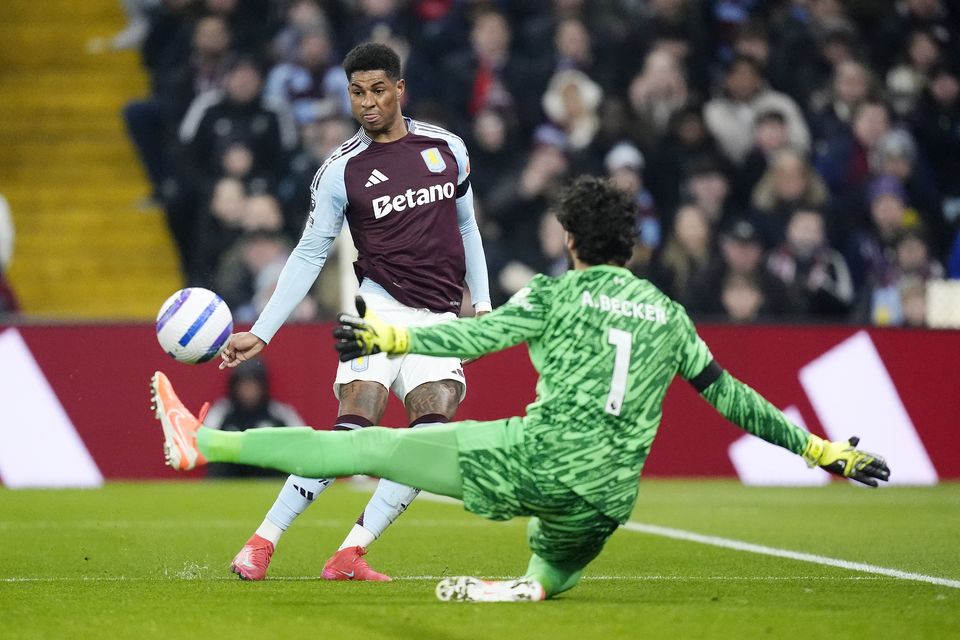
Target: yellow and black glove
[365, 334]
[844, 459]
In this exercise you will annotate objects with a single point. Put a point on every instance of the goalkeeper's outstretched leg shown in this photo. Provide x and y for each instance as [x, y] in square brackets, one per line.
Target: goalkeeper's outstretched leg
[425, 458]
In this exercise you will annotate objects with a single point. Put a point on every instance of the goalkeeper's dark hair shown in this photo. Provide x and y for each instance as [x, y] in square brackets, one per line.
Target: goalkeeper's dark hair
[601, 218]
[372, 57]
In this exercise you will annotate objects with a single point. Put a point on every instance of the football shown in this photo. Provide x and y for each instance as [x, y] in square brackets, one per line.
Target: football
[193, 325]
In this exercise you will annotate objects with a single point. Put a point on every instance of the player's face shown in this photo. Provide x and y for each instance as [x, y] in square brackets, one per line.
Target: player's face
[375, 100]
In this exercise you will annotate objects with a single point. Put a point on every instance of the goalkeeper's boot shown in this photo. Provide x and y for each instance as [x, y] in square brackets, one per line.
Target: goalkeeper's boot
[252, 561]
[179, 425]
[348, 564]
[467, 589]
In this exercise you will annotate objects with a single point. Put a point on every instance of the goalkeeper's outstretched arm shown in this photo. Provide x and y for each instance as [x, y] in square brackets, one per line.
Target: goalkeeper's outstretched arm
[753, 413]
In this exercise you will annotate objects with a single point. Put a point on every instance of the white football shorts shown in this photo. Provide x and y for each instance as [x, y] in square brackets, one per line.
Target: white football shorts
[404, 373]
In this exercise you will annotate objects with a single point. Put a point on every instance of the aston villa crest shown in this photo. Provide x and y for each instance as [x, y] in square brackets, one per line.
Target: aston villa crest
[433, 159]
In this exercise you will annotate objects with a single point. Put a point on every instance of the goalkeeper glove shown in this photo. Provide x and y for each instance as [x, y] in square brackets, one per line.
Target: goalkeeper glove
[365, 334]
[844, 459]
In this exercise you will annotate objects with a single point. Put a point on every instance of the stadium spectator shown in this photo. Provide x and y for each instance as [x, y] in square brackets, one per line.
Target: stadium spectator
[625, 164]
[302, 17]
[240, 265]
[251, 22]
[815, 273]
[571, 102]
[832, 108]
[551, 259]
[913, 302]
[312, 87]
[677, 27]
[730, 115]
[687, 142]
[490, 76]
[152, 122]
[656, 94]
[686, 252]
[789, 183]
[896, 154]
[708, 186]
[237, 114]
[496, 157]
[770, 136]
[843, 162]
[742, 299]
[248, 405]
[573, 48]
[518, 214]
[921, 54]
[909, 16]
[318, 140]
[806, 36]
[913, 267]
[936, 124]
[741, 254]
[871, 255]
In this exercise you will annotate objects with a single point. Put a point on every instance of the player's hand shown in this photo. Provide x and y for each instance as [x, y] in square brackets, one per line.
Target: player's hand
[844, 459]
[241, 347]
[365, 333]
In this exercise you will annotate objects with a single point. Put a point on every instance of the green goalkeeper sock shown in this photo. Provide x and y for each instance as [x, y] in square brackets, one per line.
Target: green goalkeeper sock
[553, 578]
[426, 458]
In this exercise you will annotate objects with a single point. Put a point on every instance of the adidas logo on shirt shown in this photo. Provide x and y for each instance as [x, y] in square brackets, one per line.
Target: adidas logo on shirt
[376, 178]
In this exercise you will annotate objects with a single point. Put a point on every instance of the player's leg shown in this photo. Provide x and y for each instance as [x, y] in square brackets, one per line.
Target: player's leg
[427, 458]
[362, 404]
[431, 390]
[430, 403]
[563, 544]
[566, 537]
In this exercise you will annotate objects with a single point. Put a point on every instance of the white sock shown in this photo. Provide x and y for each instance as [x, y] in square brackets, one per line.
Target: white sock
[269, 531]
[358, 537]
[297, 494]
[387, 503]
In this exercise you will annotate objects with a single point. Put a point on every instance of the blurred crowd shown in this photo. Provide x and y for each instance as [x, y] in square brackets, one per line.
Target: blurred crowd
[790, 160]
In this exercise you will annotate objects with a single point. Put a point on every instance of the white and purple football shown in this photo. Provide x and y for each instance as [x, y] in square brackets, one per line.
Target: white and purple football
[193, 325]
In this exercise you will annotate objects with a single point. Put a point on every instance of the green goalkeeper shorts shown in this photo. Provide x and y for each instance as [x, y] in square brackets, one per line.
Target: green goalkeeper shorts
[498, 484]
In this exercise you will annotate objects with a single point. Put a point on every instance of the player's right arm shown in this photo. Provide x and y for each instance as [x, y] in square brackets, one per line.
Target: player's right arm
[328, 202]
[743, 406]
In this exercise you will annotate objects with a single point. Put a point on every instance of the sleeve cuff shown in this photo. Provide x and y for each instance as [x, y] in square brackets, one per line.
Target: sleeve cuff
[482, 306]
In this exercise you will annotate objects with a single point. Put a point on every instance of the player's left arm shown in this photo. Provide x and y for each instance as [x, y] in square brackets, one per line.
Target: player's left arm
[476, 261]
[742, 405]
[521, 318]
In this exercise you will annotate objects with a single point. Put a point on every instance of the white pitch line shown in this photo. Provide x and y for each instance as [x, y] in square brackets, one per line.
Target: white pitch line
[739, 545]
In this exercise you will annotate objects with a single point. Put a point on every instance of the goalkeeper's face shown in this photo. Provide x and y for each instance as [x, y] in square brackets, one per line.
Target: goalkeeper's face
[375, 100]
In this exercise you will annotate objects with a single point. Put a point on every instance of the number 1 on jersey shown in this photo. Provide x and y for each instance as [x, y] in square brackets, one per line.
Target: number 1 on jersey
[622, 340]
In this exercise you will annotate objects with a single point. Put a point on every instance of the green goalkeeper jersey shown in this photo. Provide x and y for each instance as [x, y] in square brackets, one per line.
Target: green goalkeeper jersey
[607, 346]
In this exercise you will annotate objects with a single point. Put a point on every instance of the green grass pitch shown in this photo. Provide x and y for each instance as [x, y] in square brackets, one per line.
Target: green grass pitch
[149, 560]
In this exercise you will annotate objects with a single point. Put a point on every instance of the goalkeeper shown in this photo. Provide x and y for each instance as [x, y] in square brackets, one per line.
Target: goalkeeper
[606, 345]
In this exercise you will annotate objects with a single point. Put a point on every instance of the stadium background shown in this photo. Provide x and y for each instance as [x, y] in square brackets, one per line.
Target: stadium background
[117, 190]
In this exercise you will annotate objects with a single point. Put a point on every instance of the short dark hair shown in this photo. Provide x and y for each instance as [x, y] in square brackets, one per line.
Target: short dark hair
[372, 57]
[601, 218]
